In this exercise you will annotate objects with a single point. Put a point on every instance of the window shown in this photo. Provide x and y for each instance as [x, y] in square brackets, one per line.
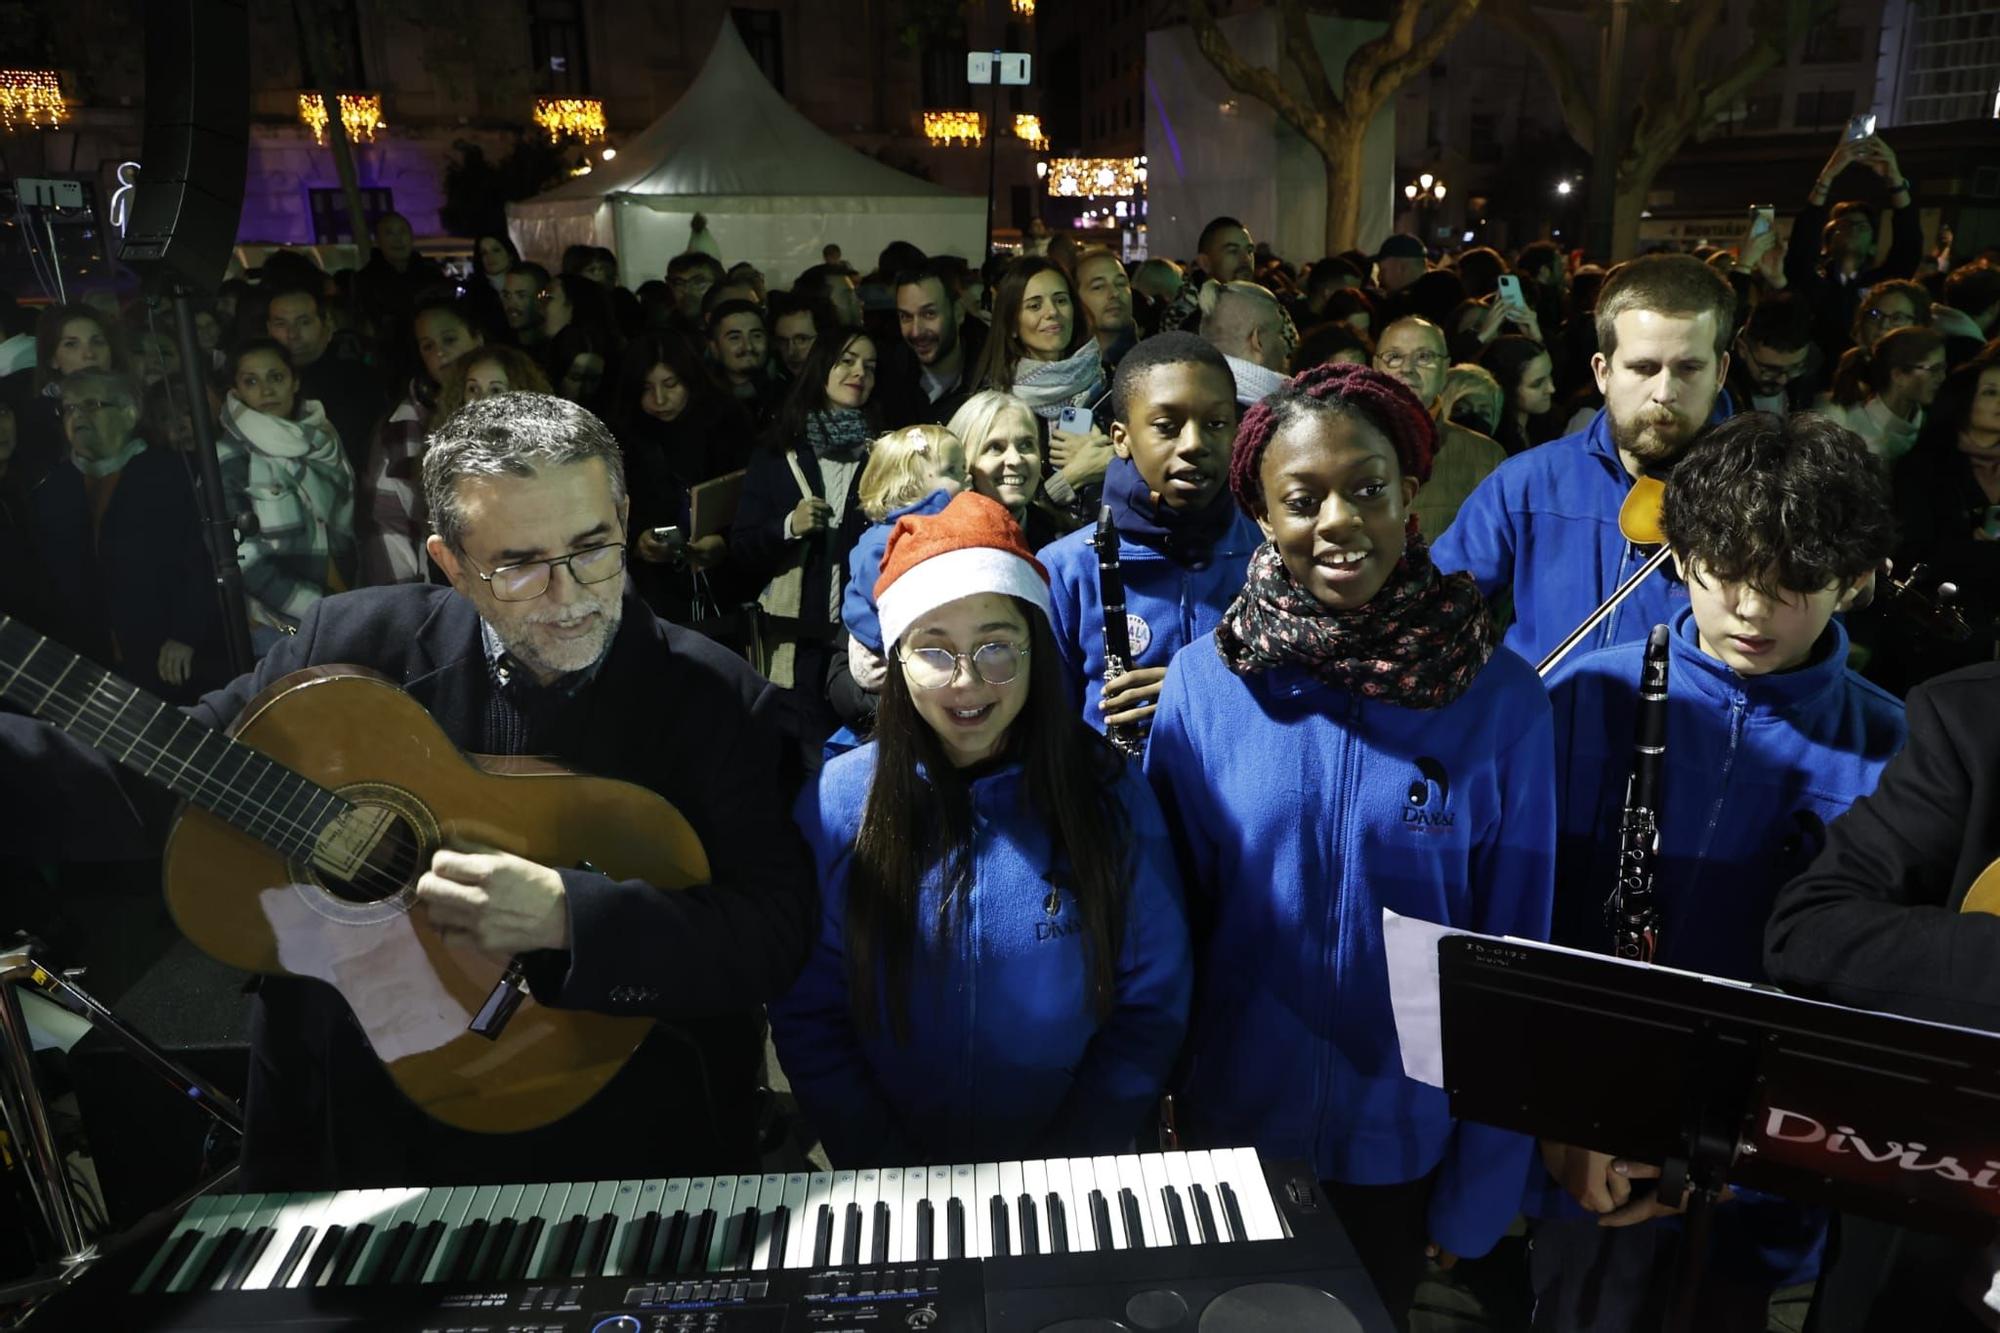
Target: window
[555, 40]
[762, 31]
[1825, 107]
[1833, 44]
[331, 222]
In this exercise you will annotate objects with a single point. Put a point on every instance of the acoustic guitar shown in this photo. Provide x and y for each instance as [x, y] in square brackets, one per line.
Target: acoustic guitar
[1984, 893]
[299, 843]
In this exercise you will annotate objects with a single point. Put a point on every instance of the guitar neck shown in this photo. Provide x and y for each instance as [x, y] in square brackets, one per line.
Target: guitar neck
[164, 745]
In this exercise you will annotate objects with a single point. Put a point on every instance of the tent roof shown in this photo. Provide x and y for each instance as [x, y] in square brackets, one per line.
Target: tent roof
[732, 133]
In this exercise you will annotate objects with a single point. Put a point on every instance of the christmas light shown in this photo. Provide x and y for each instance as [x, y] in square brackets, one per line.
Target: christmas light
[1024, 9]
[360, 115]
[30, 97]
[1028, 129]
[961, 127]
[579, 118]
[1096, 177]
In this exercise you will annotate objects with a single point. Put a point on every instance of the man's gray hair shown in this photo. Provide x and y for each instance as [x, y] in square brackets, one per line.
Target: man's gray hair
[1232, 311]
[510, 435]
[102, 383]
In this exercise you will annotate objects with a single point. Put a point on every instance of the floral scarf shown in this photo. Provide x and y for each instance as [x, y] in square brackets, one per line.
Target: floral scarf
[839, 433]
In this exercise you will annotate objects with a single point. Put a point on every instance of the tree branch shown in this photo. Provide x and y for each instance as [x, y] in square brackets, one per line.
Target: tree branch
[1251, 80]
[1299, 46]
[1578, 109]
[1413, 57]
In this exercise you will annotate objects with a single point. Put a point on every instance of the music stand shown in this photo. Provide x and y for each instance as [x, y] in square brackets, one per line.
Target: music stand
[1867, 1112]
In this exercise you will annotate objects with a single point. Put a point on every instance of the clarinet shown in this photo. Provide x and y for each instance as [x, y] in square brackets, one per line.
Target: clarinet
[1634, 913]
[1128, 738]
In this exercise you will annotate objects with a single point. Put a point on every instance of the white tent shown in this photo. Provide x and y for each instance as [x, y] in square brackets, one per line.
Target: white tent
[774, 187]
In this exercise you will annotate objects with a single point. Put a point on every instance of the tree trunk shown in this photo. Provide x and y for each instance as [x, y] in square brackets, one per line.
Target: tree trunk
[1633, 187]
[1341, 150]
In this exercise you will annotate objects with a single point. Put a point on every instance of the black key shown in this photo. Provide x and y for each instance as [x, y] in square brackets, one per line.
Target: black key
[322, 1255]
[1058, 1225]
[1100, 1220]
[823, 1237]
[596, 1242]
[954, 1229]
[492, 1247]
[351, 1247]
[642, 1244]
[465, 1248]
[850, 1238]
[300, 1243]
[177, 1257]
[422, 1247]
[1135, 1221]
[1232, 1213]
[246, 1259]
[1204, 1216]
[996, 1221]
[880, 1253]
[217, 1262]
[1031, 1240]
[694, 1259]
[781, 1233]
[514, 1262]
[926, 1230]
[746, 1241]
[393, 1250]
[1177, 1228]
[666, 1245]
[563, 1247]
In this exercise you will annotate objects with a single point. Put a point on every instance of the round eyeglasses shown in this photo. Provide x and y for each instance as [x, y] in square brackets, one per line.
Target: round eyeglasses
[935, 668]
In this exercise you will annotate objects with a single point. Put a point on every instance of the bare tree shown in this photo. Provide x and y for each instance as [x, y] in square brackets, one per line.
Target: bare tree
[1333, 120]
[1684, 90]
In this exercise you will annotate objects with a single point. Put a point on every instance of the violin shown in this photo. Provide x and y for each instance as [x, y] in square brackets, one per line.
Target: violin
[1639, 521]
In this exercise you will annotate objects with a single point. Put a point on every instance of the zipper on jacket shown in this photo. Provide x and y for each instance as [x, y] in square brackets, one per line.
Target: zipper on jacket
[1323, 1092]
[1738, 709]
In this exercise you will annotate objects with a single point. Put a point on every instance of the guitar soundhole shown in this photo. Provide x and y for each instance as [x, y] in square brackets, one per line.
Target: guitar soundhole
[393, 863]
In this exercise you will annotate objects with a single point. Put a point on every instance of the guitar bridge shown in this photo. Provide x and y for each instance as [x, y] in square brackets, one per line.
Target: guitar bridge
[506, 997]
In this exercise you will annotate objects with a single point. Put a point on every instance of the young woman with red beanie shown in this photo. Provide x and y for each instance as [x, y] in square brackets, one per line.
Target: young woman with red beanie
[1349, 738]
[1002, 968]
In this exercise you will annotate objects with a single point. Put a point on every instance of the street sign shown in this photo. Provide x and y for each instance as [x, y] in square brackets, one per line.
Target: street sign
[1013, 66]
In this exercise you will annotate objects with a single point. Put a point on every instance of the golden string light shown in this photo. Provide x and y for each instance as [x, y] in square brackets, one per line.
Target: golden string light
[31, 97]
[964, 128]
[1029, 129]
[1096, 177]
[360, 115]
[1024, 9]
[579, 118]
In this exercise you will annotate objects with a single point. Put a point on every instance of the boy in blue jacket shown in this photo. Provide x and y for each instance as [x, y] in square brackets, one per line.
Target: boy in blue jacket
[1775, 524]
[1545, 523]
[1181, 542]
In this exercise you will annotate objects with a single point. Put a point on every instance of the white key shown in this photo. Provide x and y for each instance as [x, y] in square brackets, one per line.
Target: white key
[452, 1214]
[750, 1195]
[795, 1217]
[805, 1227]
[985, 1186]
[1130, 1177]
[770, 1194]
[1253, 1194]
[1010, 1200]
[892, 1194]
[1153, 1170]
[673, 1204]
[1201, 1174]
[837, 1201]
[903, 1239]
[506, 1204]
[206, 1216]
[300, 1211]
[1178, 1177]
[1035, 1184]
[937, 1189]
[723, 1200]
[348, 1210]
[553, 1212]
[964, 1189]
[867, 1190]
[625, 1208]
[1083, 1179]
[645, 1199]
[1109, 1182]
[402, 1207]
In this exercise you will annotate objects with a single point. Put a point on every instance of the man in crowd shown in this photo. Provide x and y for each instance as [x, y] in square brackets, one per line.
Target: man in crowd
[795, 324]
[1832, 282]
[1413, 351]
[1227, 253]
[739, 348]
[1331, 274]
[1106, 294]
[833, 285]
[928, 374]
[350, 392]
[520, 297]
[1246, 324]
[395, 274]
[1400, 262]
[1545, 523]
[537, 647]
[689, 276]
[1773, 356]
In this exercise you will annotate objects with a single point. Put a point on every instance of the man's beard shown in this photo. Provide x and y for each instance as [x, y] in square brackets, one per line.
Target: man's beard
[1657, 436]
[530, 642]
[944, 346]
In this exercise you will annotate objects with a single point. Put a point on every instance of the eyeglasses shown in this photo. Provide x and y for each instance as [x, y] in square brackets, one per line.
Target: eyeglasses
[91, 405]
[935, 668]
[1424, 360]
[530, 579]
[1877, 315]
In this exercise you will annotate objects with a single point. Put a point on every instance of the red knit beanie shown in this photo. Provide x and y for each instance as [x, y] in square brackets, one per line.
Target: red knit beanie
[970, 546]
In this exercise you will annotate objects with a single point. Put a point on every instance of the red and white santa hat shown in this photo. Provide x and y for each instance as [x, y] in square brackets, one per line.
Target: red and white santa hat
[970, 546]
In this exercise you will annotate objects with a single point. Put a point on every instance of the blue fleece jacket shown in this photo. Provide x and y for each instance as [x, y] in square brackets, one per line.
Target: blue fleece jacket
[1167, 605]
[1005, 1058]
[864, 565]
[1303, 810]
[1755, 769]
[1545, 525]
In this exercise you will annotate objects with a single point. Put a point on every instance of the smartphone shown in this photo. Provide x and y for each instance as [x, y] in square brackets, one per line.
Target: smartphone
[1510, 291]
[1762, 217]
[1860, 127]
[1075, 421]
[668, 536]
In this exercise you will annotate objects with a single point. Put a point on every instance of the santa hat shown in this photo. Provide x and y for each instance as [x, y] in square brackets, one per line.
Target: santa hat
[970, 546]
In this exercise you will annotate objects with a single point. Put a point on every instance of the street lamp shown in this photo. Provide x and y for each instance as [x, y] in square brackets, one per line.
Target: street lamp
[1563, 188]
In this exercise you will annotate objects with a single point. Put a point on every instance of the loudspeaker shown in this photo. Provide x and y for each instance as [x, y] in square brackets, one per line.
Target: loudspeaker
[190, 192]
[148, 1143]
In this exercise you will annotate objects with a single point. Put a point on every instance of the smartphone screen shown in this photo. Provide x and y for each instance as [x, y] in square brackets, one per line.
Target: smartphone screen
[1510, 290]
[1761, 216]
[1861, 126]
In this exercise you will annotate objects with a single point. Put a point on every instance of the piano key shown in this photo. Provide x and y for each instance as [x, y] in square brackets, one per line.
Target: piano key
[964, 1194]
[297, 1213]
[559, 1256]
[729, 1224]
[179, 1252]
[302, 1238]
[209, 1264]
[985, 1189]
[1035, 1187]
[1177, 1222]
[490, 1225]
[1207, 1198]
[258, 1233]
[954, 1228]
[996, 1231]
[1136, 1222]
[512, 1260]
[1031, 1228]
[1232, 1212]
[867, 1191]
[850, 1236]
[838, 1204]
[463, 1243]
[1102, 1236]
[347, 1211]
[878, 1239]
[351, 1246]
[450, 1220]
[665, 1247]
[634, 1199]
[805, 1220]
[545, 1226]
[1109, 1181]
[770, 1209]
[361, 1214]
[152, 1277]
[882, 1236]
[591, 1245]
[916, 1179]
[1253, 1195]
[923, 1240]
[214, 1226]
[1010, 1190]
[1182, 1182]
[822, 1244]
[691, 1254]
[316, 1263]
[937, 1192]
[1082, 1176]
[744, 1252]
[1153, 1171]
[787, 1225]
[1058, 1218]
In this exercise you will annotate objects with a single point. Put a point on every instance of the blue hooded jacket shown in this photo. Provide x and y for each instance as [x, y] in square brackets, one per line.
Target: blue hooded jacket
[864, 565]
[1167, 605]
[1755, 769]
[1303, 810]
[1544, 524]
[1006, 1058]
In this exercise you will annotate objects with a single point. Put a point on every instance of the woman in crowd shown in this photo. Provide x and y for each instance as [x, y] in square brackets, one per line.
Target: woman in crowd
[392, 493]
[1003, 459]
[1880, 393]
[1002, 963]
[1353, 675]
[582, 334]
[1472, 398]
[483, 372]
[282, 464]
[1041, 353]
[677, 430]
[1526, 374]
[68, 338]
[799, 518]
[1888, 306]
[492, 255]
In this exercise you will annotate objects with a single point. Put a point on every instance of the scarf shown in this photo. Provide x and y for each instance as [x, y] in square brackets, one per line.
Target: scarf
[840, 433]
[104, 467]
[1050, 386]
[299, 486]
[1254, 383]
[1185, 537]
[1417, 643]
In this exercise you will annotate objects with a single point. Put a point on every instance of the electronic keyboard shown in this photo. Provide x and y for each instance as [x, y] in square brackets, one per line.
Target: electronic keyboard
[1158, 1241]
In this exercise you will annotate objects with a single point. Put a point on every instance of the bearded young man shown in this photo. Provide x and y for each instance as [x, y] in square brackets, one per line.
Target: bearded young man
[536, 648]
[1545, 523]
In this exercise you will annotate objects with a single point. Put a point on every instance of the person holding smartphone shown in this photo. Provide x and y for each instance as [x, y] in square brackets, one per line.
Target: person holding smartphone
[1845, 266]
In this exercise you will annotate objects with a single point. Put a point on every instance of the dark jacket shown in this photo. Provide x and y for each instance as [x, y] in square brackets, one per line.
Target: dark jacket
[667, 710]
[904, 400]
[1939, 505]
[354, 400]
[664, 461]
[1834, 299]
[757, 545]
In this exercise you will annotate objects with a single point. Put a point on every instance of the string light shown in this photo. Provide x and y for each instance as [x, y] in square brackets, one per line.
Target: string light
[360, 115]
[1029, 129]
[579, 118]
[1024, 9]
[964, 128]
[1096, 177]
[30, 97]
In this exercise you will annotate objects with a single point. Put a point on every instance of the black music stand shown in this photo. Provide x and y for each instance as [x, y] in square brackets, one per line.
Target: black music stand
[1891, 1117]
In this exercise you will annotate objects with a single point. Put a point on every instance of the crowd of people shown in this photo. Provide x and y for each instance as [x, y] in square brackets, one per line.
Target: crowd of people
[865, 648]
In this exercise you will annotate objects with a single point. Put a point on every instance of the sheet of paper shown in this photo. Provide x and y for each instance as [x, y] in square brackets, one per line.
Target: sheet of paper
[50, 1026]
[1412, 948]
[380, 968]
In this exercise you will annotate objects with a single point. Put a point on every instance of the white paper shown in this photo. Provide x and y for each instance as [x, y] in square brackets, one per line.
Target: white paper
[1412, 948]
[50, 1026]
[380, 969]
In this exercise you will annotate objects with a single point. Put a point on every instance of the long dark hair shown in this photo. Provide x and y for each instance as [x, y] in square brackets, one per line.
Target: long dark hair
[1864, 372]
[918, 822]
[1508, 358]
[808, 392]
[1003, 344]
[659, 348]
[48, 332]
